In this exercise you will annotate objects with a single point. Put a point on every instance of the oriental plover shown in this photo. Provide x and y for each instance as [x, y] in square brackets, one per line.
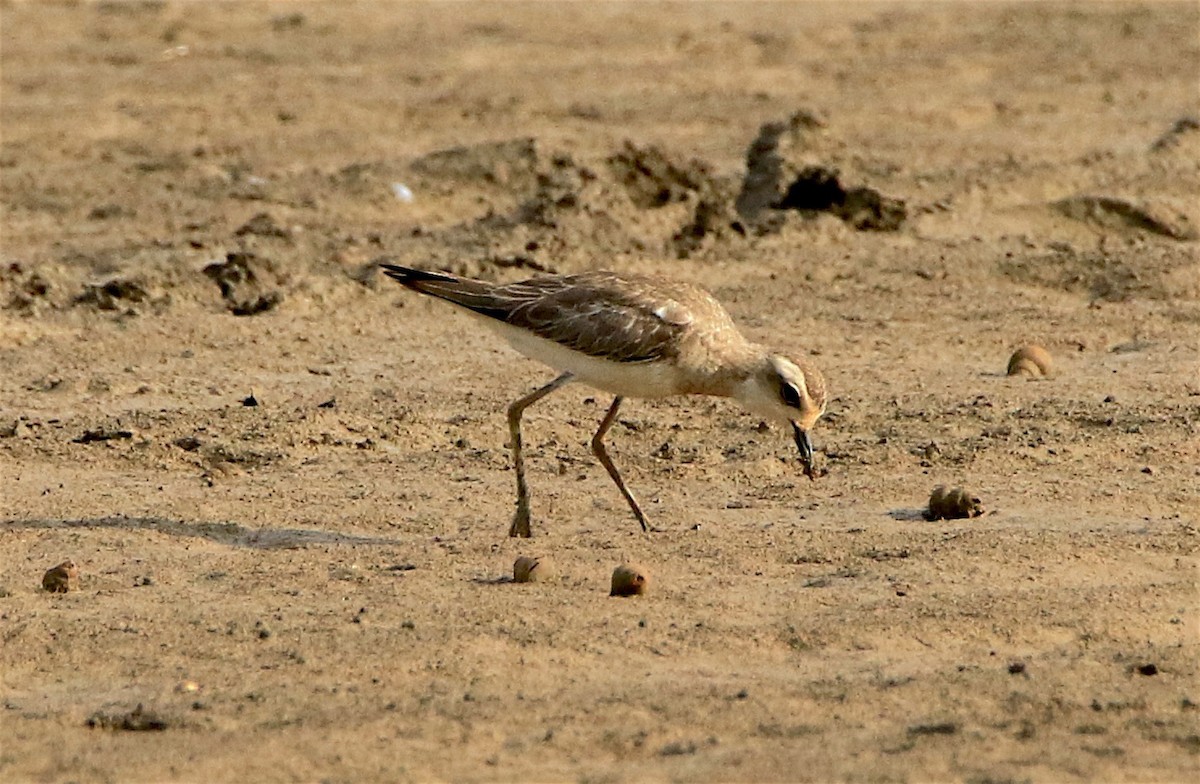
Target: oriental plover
[631, 336]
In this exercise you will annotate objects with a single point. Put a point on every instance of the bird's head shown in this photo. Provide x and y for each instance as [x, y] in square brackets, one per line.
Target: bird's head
[787, 393]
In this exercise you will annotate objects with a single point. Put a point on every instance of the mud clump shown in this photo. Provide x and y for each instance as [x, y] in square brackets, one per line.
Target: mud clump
[1114, 213]
[511, 164]
[137, 720]
[63, 578]
[547, 207]
[263, 225]
[653, 180]
[952, 504]
[100, 434]
[818, 189]
[1032, 360]
[789, 167]
[240, 279]
[27, 289]
[529, 569]
[1181, 129]
[629, 580]
[769, 158]
[114, 294]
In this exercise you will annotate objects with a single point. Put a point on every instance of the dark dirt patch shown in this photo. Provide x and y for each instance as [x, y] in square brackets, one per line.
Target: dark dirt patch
[1106, 276]
[1114, 213]
[241, 278]
[817, 189]
[114, 294]
[792, 165]
[137, 720]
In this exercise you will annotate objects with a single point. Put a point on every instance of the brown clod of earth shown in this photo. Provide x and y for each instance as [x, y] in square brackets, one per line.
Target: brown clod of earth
[113, 294]
[788, 167]
[652, 179]
[818, 189]
[1031, 360]
[239, 277]
[629, 580]
[769, 161]
[530, 569]
[512, 164]
[62, 578]
[1184, 127]
[106, 433]
[263, 225]
[953, 504]
[1111, 212]
[137, 720]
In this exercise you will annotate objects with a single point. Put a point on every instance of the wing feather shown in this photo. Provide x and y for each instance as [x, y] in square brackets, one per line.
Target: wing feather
[601, 314]
[597, 314]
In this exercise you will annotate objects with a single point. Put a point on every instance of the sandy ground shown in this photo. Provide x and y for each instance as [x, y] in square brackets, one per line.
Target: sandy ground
[312, 588]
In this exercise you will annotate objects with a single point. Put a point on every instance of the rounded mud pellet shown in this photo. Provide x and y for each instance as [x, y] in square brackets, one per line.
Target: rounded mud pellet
[1031, 361]
[61, 578]
[629, 580]
[953, 504]
[530, 569]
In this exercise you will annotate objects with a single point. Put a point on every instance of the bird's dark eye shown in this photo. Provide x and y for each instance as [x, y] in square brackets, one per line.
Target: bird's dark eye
[791, 395]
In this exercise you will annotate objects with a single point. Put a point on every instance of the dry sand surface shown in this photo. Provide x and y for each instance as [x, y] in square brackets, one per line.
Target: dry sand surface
[284, 480]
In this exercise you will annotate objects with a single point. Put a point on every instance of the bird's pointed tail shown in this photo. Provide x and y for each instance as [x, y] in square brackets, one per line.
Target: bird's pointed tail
[474, 295]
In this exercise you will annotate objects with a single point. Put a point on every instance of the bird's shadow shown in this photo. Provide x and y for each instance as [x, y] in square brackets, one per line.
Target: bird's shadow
[231, 534]
[909, 515]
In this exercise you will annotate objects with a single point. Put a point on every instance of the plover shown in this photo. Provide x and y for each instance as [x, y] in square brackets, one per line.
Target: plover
[632, 336]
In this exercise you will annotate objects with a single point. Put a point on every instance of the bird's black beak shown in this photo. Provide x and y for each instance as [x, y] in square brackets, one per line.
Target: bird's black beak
[806, 451]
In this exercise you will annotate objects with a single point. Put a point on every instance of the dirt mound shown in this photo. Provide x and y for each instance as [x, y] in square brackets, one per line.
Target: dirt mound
[791, 165]
[245, 281]
[511, 164]
[549, 210]
[1182, 137]
[1155, 273]
[1122, 215]
[640, 199]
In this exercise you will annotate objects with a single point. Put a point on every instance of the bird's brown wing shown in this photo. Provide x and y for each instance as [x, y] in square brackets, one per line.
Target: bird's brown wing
[598, 314]
[601, 314]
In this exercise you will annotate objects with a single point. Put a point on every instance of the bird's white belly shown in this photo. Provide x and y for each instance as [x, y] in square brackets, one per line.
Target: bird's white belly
[628, 379]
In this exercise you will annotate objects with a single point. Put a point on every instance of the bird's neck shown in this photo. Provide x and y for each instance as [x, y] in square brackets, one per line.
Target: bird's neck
[726, 375]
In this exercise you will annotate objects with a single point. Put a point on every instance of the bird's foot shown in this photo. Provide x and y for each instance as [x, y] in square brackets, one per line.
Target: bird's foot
[520, 524]
[647, 526]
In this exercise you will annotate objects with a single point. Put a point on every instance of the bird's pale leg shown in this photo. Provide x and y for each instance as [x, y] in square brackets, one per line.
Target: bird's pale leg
[520, 523]
[602, 455]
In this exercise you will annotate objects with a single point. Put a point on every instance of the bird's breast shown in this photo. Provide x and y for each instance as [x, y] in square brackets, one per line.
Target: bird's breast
[653, 378]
